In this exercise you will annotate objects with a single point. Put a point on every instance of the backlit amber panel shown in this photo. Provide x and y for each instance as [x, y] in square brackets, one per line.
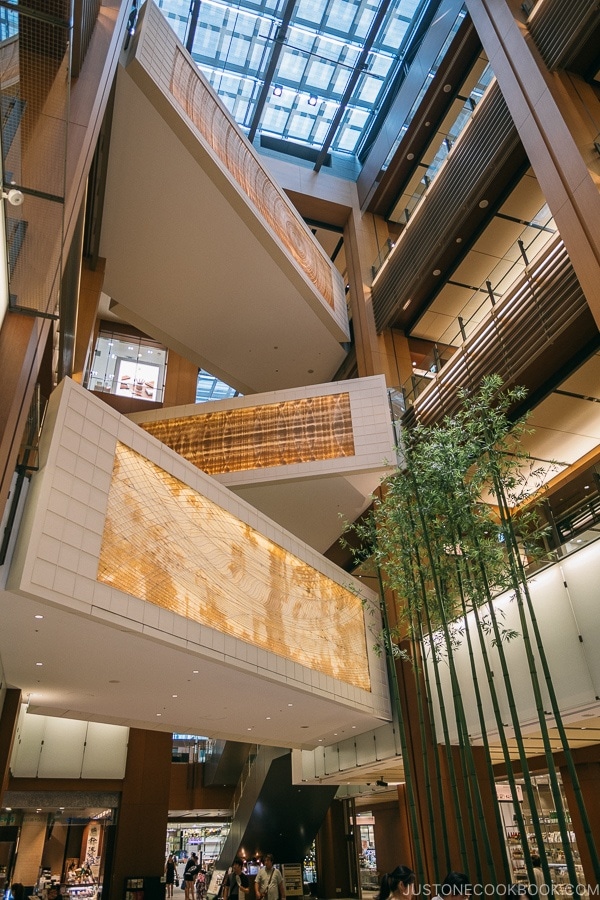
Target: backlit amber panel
[276, 434]
[169, 545]
[206, 113]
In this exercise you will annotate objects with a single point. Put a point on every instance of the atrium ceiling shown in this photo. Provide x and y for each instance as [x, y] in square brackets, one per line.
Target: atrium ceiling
[311, 73]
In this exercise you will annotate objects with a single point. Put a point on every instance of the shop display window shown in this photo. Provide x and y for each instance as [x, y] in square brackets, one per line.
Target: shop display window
[547, 817]
[206, 840]
[128, 366]
[369, 878]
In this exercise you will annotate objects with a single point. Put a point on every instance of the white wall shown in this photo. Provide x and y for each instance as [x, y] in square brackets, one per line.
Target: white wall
[565, 601]
[66, 748]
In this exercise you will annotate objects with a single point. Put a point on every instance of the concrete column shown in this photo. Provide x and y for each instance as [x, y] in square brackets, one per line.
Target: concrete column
[139, 849]
[31, 848]
[8, 726]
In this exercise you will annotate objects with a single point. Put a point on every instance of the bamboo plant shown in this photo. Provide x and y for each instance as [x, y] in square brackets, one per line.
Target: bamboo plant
[447, 534]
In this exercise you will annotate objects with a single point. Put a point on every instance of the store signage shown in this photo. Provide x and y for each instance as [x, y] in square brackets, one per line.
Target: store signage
[503, 793]
[216, 880]
[292, 876]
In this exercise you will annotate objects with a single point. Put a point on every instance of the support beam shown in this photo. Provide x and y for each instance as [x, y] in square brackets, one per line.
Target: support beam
[538, 107]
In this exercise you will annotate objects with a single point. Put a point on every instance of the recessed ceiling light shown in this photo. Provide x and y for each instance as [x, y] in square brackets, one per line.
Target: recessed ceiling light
[447, 88]
[410, 155]
[195, 672]
[437, 272]
[483, 204]
[354, 726]
[159, 714]
[290, 704]
[268, 718]
[312, 100]
[320, 740]
[407, 304]
[249, 729]
[586, 487]
[174, 696]
[39, 664]
[38, 616]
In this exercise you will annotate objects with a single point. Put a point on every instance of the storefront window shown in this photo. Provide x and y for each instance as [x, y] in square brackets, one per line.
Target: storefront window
[365, 823]
[72, 856]
[128, 366]
[547, 817]
[206, 840]
[189, 748]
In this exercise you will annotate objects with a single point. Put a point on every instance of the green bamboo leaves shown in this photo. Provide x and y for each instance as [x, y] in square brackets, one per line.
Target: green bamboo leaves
[453, 528]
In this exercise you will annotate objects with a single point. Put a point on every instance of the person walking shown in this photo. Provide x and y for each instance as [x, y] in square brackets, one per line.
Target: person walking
[539, 888]
[170, 872]
[269, 884]
[189, 876]
[236, 885]
[200, 884]
[399, 884]
[456, 884]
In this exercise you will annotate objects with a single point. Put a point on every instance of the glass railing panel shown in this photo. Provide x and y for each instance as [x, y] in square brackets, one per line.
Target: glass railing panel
[462, 120]
[425, 86]
[417, 193]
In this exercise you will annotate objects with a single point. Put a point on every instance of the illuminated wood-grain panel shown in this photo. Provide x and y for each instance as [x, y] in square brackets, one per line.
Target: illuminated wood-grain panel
[205, 111]
[275, 434]
[167, 544]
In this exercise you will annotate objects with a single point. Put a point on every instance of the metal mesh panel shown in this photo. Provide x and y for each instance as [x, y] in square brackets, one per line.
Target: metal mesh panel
[34, 95]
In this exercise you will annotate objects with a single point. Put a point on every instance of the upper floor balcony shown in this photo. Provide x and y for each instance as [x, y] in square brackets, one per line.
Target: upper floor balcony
[204, 251]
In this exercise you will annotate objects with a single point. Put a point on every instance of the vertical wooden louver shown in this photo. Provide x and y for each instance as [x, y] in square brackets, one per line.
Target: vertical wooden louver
[559, 29]
[546, 300]
[469, 174]
[85, 16]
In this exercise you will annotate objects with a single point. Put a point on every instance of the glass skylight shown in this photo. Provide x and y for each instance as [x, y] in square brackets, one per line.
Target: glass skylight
[210, 388]
[308, 60]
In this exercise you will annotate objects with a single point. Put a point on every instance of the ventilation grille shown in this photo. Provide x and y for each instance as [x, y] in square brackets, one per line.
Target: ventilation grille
[560, 29]
[472, 167]
[547, 299]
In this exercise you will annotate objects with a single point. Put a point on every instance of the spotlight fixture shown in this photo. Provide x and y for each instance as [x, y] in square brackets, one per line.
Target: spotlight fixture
[312, 100]
[277, 90]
